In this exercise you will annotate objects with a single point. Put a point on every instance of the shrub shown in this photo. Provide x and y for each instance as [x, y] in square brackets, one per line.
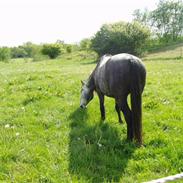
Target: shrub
[85, 44]
[18, 52]
[33, 50]
[121, 37]
[52, 50]
[29, 48]
[68, 48]
[5, 54]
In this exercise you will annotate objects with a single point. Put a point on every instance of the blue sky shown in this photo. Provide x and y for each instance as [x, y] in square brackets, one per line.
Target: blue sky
[42, 21]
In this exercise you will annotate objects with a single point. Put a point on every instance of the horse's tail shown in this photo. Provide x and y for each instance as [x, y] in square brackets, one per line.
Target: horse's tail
[136, 99]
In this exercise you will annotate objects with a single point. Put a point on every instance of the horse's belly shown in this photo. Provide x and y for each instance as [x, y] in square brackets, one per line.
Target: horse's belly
[114, 87]
[104, 89]
[113, 80]
[101, 84]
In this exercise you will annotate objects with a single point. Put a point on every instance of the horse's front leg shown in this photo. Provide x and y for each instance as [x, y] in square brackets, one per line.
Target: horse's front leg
[118, 110]
[102, 108]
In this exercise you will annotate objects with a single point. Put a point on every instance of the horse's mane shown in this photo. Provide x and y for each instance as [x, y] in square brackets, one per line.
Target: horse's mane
[102, 57]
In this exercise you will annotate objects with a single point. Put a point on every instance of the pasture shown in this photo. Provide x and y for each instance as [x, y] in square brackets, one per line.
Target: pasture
[45, 137]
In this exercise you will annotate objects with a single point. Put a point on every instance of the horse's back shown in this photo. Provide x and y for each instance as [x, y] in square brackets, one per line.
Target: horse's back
[114, 76]
[125, 59]
[124, 65]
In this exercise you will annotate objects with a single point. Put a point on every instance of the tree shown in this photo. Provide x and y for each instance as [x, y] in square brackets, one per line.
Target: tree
[18, 52]
[165, 23]
[69, 48]
[168, 19]
[5, 54]
[85, 44]
[29, 48]
[52, 50]
[120, 37]
[142, 16]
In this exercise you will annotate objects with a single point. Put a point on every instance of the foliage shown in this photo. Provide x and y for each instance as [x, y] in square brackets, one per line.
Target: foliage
[52, 50]
[18, 52]
[33, 51]
[28, 50]
[166, 21]
[85, 44]
[46, 138]
[121, 37]
[5, 54]
[141, 16]
[69, 48]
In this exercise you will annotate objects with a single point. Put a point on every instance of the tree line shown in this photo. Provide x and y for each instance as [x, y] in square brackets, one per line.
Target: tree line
[35, 51]
[165, 22]
[149, 30]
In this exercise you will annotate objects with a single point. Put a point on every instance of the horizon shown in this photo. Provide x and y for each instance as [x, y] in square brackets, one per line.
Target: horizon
[47, 21]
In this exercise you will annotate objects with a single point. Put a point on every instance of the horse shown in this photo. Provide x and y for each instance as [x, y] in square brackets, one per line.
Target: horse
[118, 76]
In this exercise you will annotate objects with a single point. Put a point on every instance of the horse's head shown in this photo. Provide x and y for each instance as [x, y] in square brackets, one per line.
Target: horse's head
[86, 95]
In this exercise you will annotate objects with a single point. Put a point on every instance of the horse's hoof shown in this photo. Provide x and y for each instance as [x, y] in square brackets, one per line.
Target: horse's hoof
[102, 119]
[143, 145]
[140, 145]
[121, 122]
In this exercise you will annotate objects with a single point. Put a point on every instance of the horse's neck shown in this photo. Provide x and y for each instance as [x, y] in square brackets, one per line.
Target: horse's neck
[91, 83]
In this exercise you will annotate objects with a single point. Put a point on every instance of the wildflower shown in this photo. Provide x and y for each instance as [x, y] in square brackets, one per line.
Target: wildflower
[23, 108]
[17, 134]
[7, 126]
[99, 145]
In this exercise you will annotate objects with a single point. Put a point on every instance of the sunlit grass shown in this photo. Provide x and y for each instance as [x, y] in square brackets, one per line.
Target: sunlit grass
[45, 137]
[171, 52]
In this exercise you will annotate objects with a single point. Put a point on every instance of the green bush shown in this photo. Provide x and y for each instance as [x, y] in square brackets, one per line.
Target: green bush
[121, 37]
[52, 50]
[5, 54]
[85, 44]
[18, 52]
[29, 48]
[33, 50]
[69, 48]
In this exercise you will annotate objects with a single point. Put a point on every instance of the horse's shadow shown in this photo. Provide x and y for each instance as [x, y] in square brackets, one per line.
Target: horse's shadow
[97, 153]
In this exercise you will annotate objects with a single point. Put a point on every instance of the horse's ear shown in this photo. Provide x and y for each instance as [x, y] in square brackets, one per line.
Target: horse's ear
[82, 82]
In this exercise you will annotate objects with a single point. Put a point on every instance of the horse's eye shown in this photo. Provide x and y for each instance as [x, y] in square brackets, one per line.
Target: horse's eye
[86, 96]
[89, 97]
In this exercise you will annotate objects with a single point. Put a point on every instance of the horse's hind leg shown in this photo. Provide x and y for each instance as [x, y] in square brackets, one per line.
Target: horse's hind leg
[128, 118]
[117, 107]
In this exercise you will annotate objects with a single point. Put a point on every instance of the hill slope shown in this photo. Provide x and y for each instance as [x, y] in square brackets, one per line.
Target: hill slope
[166, 53]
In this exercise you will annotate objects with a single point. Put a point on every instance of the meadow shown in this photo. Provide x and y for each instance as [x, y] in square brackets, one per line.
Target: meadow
[45, 137]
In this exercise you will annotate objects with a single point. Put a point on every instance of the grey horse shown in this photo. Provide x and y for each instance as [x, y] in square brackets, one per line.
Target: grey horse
[118, 76]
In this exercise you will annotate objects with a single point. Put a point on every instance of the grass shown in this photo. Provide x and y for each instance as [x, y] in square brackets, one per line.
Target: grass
[173, 52]
[45, 137]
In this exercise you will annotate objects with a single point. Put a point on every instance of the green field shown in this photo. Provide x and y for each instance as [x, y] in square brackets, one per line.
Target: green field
[45, 137]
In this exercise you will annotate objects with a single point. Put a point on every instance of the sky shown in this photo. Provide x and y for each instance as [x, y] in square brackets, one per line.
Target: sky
[46, 21]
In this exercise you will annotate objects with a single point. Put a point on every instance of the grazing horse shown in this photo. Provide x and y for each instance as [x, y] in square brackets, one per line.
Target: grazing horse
[118, 76]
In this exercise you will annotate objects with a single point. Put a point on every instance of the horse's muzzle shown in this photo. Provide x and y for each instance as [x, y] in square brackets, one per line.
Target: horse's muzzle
[83, 106]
